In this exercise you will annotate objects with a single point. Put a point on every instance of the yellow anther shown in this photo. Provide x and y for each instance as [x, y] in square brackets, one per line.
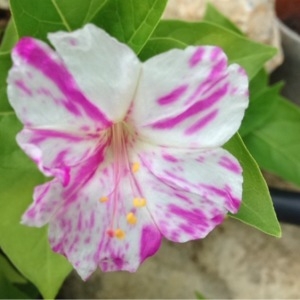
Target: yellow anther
[120, 234]
[139, 202]
[103, 199]
[131, 218]
[135, 167]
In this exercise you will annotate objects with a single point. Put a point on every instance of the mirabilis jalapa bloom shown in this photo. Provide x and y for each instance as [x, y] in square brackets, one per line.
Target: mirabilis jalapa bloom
[134, 148]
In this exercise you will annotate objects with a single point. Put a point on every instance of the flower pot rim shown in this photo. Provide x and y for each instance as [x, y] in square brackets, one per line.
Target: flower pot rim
[287, 31]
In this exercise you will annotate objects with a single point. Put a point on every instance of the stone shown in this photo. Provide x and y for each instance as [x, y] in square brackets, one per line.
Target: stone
[4, 4]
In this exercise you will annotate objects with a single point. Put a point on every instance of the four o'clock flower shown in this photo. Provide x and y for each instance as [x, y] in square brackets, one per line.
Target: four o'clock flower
[134, 148]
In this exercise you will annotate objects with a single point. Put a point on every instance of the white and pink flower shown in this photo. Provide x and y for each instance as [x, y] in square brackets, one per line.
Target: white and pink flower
[134, 148]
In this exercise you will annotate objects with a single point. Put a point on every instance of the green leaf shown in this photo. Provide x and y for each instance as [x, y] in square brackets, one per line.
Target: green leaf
[28, 248]
[199, 296]
[159, 45]
[276, 145]
[8, 41]
[8, 290]
[17, 283]
[37, 18]
[257, 208]
[75, 14]
[249, 54]
[261, 109]
[216, 17]
[259, 83]
[131, 21]
[10, 272]
[5, 64]
[10, 37]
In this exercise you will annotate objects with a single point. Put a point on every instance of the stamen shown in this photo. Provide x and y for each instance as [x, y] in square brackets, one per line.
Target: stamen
[120, 234]
[135, 167]
[122, 167]
[139, 202]
[103, 199]
[131, 218]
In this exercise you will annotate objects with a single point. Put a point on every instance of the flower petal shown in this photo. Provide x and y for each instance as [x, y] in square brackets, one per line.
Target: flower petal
[55, 152]
[93, 222]
[46, 203]
[189, 193]
[62, 127]
[51, 196]
[44, 93]
[105, 69]
[190, 98]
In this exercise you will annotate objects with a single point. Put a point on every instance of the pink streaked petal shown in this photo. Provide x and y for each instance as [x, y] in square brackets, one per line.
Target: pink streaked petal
[189, 193]
[189, 98]
[51, 196]
[82, 226]
[62, 127]
[46, 203]
[141, 240]
[44, 93]
[111, 67]
[55, 152]
[179, 215]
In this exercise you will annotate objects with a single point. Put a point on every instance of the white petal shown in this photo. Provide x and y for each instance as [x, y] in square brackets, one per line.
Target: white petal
[106, 70]
[56, 152]
[189, 193]
[84, 213]
[62, 127]
[190, 98]
[44, 93]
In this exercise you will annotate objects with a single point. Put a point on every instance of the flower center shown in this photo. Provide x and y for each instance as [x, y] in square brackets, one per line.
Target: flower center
[121, 139]
[118, 143]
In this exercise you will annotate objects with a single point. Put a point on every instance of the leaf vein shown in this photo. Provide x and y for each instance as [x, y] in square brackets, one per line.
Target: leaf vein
[62, 17]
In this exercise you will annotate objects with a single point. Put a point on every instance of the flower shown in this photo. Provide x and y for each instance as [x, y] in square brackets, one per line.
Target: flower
[134, 148]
